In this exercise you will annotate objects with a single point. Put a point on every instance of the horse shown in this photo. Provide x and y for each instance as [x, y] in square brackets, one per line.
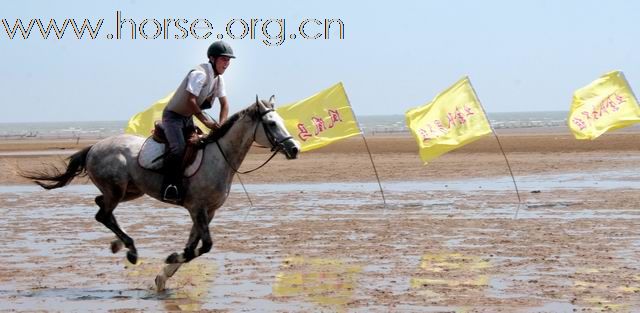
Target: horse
[112, 166]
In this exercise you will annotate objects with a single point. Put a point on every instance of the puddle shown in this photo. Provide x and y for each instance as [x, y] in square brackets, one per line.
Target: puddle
[63, 152]
[596, 180]
[554, 307]
[20, 189]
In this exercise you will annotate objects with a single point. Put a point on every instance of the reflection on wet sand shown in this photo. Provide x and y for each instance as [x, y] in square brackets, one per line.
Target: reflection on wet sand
[444, 272]
[327, 282]
[191, 284]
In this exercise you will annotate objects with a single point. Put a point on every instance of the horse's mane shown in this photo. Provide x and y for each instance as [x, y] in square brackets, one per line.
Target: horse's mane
[224, 128]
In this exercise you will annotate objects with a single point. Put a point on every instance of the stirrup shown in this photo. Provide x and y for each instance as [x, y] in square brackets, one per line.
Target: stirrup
[171, 194]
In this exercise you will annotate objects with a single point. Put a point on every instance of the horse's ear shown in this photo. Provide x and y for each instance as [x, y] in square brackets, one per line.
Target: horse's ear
[260, 104]
[272, 101]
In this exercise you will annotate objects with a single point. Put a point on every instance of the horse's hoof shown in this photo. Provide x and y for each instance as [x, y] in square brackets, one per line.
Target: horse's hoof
[132, 257]
[173, 258]
[116, 245]
[160, 281]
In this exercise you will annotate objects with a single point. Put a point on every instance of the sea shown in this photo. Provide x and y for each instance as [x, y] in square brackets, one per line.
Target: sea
[370, 125]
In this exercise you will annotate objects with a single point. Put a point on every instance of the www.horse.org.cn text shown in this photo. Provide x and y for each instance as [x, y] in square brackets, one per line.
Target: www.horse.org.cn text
[269, 31]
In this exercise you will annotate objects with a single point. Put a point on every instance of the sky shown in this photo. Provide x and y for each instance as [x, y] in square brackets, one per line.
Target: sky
[395, 55]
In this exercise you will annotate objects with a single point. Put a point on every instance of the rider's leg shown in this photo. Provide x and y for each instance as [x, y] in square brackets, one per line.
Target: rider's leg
[172, 184]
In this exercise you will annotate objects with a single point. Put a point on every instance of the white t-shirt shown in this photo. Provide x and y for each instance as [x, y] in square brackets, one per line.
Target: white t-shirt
[195, 81]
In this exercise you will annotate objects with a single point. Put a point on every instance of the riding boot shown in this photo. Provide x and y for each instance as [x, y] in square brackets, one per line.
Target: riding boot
[172, 187]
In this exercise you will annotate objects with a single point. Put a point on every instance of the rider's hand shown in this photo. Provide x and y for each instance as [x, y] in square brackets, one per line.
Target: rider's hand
[194, 139]
[213, 125]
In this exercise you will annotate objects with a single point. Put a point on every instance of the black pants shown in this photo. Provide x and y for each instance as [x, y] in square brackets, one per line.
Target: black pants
[175, 126]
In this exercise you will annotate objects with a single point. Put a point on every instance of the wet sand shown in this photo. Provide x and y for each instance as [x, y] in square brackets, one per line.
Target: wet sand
[319, 239]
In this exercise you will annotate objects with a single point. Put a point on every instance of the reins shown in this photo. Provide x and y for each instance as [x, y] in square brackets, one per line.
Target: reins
[246, 172]
[275, 145]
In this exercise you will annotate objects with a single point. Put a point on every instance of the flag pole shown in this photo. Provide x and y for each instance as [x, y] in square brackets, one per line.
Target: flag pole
[510, 171]
[630, 89]
[495, 135]
[384, 200]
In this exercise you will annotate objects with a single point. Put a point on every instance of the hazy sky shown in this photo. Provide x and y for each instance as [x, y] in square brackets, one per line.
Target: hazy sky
[520, 55]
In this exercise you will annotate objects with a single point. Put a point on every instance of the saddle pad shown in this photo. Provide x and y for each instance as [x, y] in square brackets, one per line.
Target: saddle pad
[152, 150]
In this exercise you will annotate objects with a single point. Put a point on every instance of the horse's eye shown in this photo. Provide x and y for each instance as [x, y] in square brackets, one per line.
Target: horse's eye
[272, 123]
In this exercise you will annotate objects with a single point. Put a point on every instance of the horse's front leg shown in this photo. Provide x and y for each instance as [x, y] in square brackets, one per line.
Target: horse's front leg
[171, 269]
[199, 232]
[165, 274]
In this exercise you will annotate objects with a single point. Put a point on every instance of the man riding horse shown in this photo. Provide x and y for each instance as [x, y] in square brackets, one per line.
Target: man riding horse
[197, 92]
[114, 167]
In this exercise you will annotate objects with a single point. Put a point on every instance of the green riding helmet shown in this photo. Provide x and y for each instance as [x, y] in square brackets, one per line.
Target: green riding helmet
[220, 48]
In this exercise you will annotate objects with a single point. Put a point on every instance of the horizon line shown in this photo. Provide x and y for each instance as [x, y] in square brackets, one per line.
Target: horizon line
[361, 115]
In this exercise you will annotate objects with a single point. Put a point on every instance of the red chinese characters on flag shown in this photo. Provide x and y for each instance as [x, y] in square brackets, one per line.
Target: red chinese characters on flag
[335, 117]
[607, 106]
[319, 125]
[318, 122]
[579, 122]
[303, 133]
[437, 129]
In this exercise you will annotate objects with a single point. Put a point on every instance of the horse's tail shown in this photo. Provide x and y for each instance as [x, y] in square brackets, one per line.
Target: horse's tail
[52, 177]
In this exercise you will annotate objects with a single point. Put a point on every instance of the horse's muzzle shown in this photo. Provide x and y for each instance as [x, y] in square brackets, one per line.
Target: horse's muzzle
[291, 148]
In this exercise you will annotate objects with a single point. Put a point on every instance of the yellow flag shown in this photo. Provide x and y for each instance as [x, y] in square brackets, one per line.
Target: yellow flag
[320, 119]
[606, 104]
[142, 124]
[453, 119]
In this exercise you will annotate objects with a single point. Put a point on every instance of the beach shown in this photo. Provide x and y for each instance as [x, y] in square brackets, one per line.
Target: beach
[532, 151]
[452, 236]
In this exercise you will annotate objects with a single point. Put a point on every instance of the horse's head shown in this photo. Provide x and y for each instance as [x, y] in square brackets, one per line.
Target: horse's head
[273, 133]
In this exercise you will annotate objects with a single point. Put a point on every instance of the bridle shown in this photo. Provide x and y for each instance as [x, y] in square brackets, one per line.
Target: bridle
[276, 145]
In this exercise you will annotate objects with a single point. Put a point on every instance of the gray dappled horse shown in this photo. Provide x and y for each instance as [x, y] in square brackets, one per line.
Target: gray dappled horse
[112, 166]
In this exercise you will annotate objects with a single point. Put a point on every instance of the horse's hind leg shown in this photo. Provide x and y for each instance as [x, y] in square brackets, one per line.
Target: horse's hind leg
[117, 244]
[105, 216]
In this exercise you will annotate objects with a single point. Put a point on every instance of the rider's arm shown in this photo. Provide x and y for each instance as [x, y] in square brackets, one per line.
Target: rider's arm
[201, 116]
[224, 109]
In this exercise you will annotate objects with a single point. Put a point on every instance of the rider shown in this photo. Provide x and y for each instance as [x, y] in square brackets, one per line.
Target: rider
[197, 92]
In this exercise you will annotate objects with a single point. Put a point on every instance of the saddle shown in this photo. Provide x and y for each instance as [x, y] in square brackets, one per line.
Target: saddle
[156, 147]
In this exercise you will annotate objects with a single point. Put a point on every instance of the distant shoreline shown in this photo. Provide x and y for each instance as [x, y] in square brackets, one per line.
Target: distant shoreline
[373, 125]
[556, 130]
